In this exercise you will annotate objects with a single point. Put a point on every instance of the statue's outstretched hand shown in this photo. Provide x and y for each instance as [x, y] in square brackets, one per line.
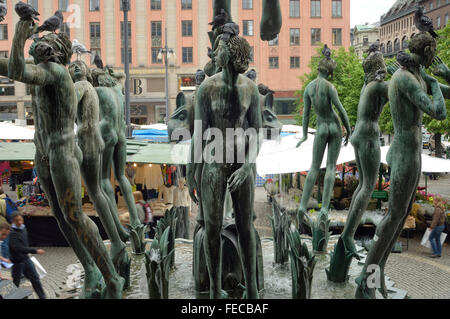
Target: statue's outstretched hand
[303, 140]
[440, 68]
[427, 78]
[26, 28]
[238, 178]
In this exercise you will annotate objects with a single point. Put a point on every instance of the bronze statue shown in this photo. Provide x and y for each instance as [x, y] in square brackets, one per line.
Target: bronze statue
[366, 142]
[238, 99]
[322, 95]
[58, 157]
[408, 100]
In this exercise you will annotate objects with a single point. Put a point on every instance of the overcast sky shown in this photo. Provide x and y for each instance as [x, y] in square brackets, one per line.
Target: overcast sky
[362, 11]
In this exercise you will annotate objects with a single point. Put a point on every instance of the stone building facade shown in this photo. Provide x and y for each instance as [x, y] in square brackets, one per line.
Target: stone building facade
[364, 36]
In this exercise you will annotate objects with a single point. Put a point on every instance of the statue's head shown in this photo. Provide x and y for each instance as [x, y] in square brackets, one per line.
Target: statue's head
[104, 78]
[79, 71]
[327, 66]
[236, 50]
[423, 46]
[374, 67]
[199, 77]
[52, 48]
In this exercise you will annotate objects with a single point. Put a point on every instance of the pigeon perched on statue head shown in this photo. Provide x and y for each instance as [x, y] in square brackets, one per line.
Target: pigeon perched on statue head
[424, 23]
[98, 61]
[79, 49]
[326, 52]
[264, 89]
[26, 11]
[229, 30]
[3, 10]
[405, 60]
[374, 47]
[52, 24]
[220, 19]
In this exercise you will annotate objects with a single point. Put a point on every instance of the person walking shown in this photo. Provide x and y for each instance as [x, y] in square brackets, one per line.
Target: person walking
[4, 219]
[437, 227]
[19, 250]
[4, 233]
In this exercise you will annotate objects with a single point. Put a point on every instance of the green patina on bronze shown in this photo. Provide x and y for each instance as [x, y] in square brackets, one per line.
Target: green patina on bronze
[408, 100]
[366, 142]
[54, 101]
[322, 95]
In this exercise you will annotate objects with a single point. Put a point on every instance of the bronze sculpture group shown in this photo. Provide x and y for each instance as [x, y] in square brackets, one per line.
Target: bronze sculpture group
[65, 93]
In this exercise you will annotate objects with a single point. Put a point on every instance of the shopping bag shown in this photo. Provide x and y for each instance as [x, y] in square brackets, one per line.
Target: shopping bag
[40, 270]
[425, 239]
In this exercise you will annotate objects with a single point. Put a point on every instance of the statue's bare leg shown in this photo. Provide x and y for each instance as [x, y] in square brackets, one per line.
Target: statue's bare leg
[68, 190]
[334, 148]
[91, 172]
[214, 182]
[403, 184]
[243, 200]
[93, 285]
[271, 20]
[320, 143]
[368, 162]
[110, 139]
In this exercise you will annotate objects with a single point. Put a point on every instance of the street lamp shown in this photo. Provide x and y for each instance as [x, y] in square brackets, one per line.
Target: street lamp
[167, 53]
[126, 8]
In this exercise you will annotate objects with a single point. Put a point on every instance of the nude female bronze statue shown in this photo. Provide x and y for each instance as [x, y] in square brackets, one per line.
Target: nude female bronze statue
[227, 100]
[322, 95]
[408, 100]
[366, 142]
[92, 146]
[58, 157]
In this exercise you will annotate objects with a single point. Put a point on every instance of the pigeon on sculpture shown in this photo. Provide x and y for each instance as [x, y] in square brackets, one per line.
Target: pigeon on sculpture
[98, 61]
[380, 75]
[52, 24]
[374, 47]
[79, 49]
[26, 11]
[264, 90]
[220, 19]
[3, 10]
[210, 52]
[229, 30]
[424, 23]
[405, 60]
[326, 52]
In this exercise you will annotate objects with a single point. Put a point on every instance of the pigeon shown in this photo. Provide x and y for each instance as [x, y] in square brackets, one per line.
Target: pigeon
[380, 75]
[26, 11]
[229, 30]
[264, 90]
[52, 24]
[326, 52]
[405, 60]
[79, 49]
[424, 23]
[3, 10]
[98, 61]
[374, 47]
[210, 52]
[251, 74]
[220, 19]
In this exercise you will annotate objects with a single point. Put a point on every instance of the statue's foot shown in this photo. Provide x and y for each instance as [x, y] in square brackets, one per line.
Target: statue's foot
[114, 289]
[350, 247]
[383, 289]
[270, 25]
[122, 264]
[222, 294]
[93, 285]
[362, 291]
[124, 236]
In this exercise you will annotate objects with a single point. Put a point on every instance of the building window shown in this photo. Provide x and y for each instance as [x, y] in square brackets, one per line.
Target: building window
[438, 22]
[252, 54]
[156, 32]
[383, 48]
[315, 36]
[337, 8]
[186, 28]
[396, 45]
[315, 8]
[122, 55]
[285, 106]
[389, 47]
[62, 5]
[94, 5]
[155, 4]
[95, 36]
[3, 32]
[438, 3]
[4, 54]
[273, 62]
[274, 41]
[446, 18]
[65, 28]
[34, 4]
[155, 53]
[365, 41]
[94, 52]
[248, 27]
[187, 55]
[337, 37]
[431, 5]
[404, 43]
[294, 8]
[186, 4]
[295, 62]
[294, 36]
[247, 4]
[122, 34]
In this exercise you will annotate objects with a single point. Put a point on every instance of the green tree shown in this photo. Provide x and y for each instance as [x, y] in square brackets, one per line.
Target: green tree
[438, 128]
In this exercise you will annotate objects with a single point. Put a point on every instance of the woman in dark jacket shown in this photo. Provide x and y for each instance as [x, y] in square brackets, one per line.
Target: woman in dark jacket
[437, 227]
